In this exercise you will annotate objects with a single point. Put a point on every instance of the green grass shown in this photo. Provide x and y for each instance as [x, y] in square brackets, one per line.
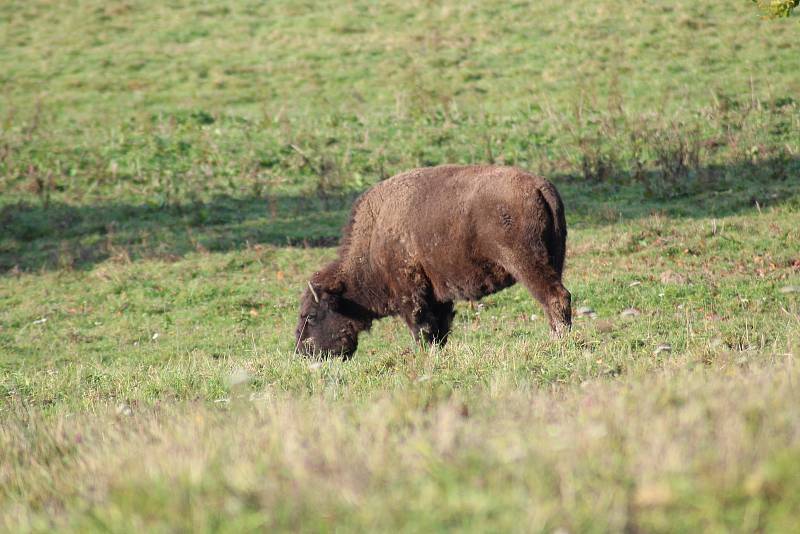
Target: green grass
[170, 175]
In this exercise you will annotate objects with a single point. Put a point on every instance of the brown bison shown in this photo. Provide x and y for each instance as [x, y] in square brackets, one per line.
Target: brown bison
[423, 239]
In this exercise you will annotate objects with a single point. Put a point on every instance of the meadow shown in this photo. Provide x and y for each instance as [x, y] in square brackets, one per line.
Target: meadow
[171, 173]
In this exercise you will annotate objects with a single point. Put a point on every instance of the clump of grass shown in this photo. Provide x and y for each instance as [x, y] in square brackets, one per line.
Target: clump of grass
[597, 165]
[678, 162]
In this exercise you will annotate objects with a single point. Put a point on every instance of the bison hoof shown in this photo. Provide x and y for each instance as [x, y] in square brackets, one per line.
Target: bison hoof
[559, 331]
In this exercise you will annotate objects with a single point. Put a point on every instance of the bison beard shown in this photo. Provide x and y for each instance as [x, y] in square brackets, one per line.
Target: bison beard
[423, 239]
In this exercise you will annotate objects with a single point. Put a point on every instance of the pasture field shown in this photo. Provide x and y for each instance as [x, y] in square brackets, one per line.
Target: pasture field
[171, 173]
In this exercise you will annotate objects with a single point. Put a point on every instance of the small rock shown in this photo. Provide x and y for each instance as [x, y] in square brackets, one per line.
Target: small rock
[585, 311]
[124, 409]
[790, 289]
[534, 317]
[671, 277]
[664, 347]
[604, 326]
[630, 312]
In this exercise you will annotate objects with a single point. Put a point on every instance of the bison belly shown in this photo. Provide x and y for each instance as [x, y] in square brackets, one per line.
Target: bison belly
[471, 280]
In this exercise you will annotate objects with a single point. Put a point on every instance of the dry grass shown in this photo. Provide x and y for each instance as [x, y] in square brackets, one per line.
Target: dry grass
[705, 449]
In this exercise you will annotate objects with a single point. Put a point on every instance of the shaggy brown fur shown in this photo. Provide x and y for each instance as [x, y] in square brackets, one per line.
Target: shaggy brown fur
[423, 239]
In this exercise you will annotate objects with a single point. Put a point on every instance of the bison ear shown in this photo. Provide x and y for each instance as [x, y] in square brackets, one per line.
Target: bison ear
[335, 287]
[329, 280]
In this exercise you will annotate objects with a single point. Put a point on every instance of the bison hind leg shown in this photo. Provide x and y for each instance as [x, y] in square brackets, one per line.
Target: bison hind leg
[544, 283]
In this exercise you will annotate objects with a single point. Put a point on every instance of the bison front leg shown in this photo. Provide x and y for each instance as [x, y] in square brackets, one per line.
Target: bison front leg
[430, 322]
[443, 313]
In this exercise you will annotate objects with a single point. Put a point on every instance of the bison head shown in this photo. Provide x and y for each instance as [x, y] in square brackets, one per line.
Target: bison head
[329, 324]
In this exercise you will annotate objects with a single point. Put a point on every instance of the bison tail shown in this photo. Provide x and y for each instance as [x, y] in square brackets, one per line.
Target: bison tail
[557, 240]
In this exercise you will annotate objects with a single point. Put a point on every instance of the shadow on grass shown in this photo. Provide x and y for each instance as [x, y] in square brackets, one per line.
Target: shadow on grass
[718, 191]
[59, 235]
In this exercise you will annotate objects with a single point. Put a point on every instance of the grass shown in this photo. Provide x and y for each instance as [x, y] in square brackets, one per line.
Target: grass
[658, 452]
[170, 175]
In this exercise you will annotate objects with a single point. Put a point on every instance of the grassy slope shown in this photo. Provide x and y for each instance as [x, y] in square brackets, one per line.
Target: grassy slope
[305, 56]
[157, 160]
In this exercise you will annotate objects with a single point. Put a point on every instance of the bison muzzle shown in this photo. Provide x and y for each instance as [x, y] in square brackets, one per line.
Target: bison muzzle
[419, 241]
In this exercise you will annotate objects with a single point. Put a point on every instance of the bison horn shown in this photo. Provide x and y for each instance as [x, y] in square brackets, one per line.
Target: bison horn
[316, 297]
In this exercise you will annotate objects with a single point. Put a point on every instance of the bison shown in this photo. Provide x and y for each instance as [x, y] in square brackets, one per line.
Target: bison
[419, 241]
